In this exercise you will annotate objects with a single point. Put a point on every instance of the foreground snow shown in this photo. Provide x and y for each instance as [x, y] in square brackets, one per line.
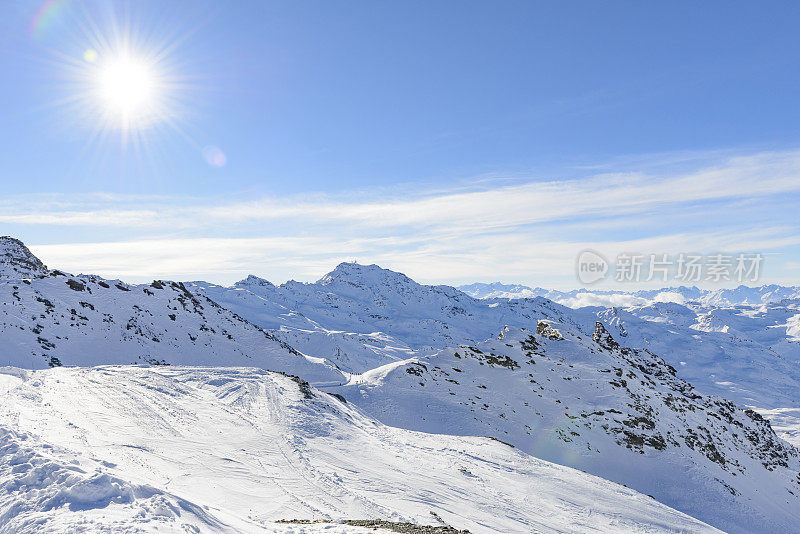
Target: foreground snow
[197, 449]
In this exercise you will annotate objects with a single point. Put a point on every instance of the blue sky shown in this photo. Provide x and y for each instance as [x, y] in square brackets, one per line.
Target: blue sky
[455, 141]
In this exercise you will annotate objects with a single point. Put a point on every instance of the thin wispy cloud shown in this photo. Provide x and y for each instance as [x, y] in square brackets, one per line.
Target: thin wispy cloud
[526, 232]
[541, 201]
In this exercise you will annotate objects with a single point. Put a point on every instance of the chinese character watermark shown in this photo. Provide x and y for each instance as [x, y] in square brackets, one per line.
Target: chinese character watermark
[591, 267]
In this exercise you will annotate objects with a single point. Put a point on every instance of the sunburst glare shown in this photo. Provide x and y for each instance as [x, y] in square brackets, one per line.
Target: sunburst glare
[126, 88]
[122, 82]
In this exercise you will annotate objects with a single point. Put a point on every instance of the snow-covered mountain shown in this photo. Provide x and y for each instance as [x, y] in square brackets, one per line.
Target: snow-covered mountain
[629, 410]
[362, 316]
[582, 400]
[16, 261]
[750, 295]
[49, 318]
[558, 383]
[170, 449]
[494, 290]
[742, 295]
[750, 354]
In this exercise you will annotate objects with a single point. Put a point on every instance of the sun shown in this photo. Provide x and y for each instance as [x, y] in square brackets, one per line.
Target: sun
[126, 86]
[125, 80]
[127, 91]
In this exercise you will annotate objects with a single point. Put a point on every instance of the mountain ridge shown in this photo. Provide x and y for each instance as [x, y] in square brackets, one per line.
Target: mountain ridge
[740, 295]
[17, 261]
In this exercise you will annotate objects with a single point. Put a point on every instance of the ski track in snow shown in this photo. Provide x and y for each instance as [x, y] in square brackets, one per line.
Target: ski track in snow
[166, 449]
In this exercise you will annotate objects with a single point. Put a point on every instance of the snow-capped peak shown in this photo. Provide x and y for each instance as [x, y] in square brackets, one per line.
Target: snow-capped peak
[355, 273]
[253, 280]
[16, 261]
[480, 290]
[578, 298]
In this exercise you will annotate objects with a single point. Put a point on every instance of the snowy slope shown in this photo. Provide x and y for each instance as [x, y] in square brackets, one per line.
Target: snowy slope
[169, 448]
[48, 488]
[586, 402]
[742, 343]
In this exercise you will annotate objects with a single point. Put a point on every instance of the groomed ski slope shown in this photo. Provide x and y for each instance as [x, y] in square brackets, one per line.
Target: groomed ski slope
[130, 449]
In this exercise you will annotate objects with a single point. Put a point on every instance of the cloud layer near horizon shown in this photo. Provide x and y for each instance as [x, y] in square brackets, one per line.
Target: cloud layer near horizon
[527, 232]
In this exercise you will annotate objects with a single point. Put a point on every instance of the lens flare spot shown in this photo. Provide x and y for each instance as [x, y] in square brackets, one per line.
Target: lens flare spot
[214, 156]
[90, 55]
[47, 16]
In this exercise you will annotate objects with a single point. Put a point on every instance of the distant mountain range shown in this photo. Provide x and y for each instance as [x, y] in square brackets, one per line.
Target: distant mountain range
[746, 295]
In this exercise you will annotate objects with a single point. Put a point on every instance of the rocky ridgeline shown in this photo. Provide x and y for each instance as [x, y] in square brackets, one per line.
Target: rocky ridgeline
[49, 318]
[16, 261]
